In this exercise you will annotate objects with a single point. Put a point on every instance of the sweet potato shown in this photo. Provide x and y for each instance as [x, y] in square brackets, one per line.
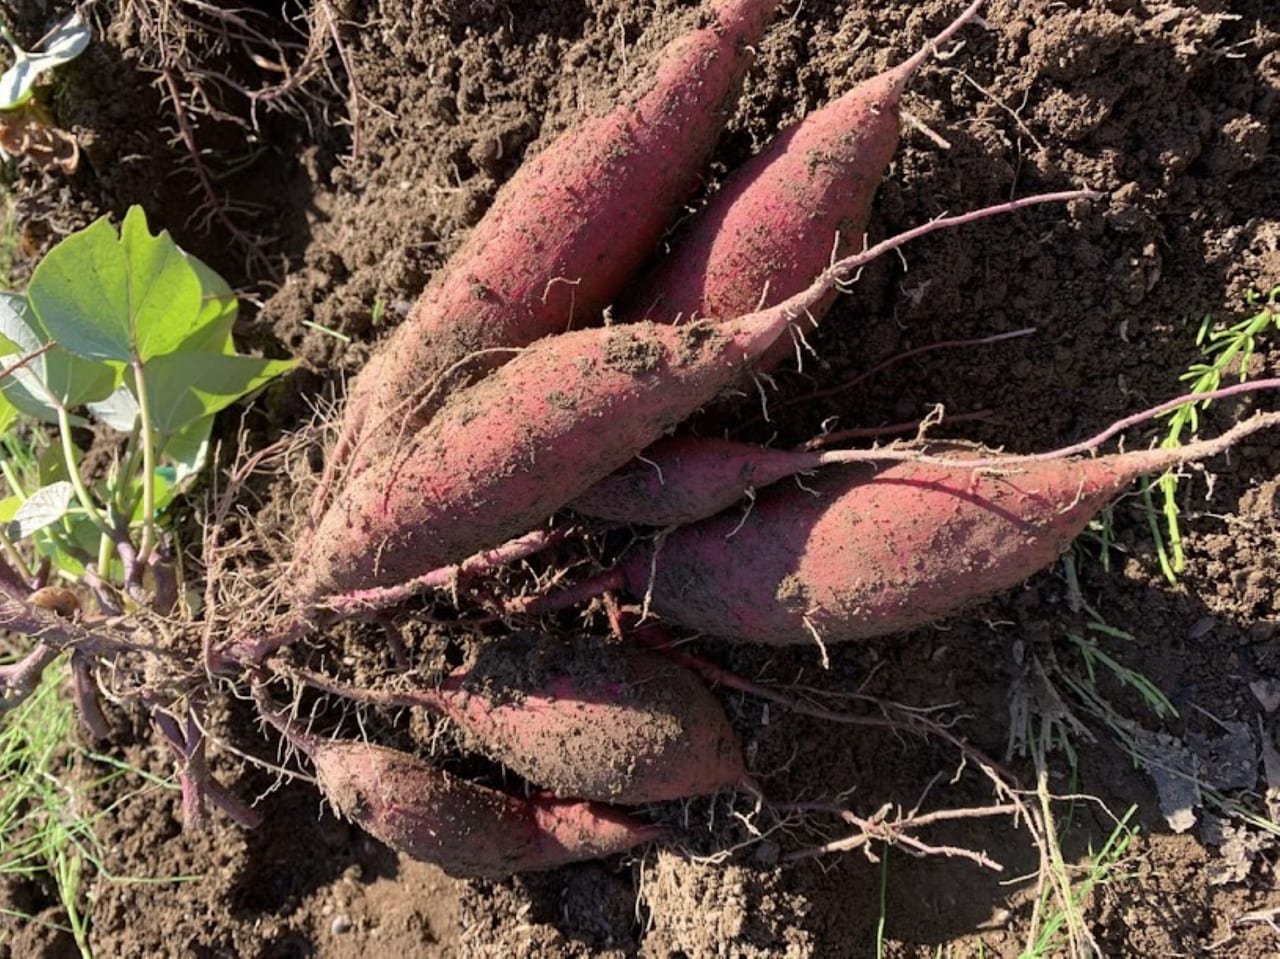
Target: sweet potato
[775, 223]
[507, 452]
[857, 553]
[684, 479]
[564, 235]
[467, 830]
[594, 721]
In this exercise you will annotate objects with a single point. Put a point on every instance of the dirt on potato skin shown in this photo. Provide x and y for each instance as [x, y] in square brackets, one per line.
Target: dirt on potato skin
[1169, 109]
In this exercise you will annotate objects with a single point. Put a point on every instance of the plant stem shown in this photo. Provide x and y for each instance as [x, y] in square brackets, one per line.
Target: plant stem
[11, 478]
[148, 467]
[106, 549]
[14, 557]
[19, 680]
[124, 501]
[73, 472]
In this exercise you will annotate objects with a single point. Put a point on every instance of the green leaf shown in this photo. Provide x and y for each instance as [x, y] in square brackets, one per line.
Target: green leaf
[43, 508]
[83, 540]
[188, 449]
[67, 41]
[119, 410]
[8, 507]
[218, 310]
[51, 465]
[55, 378]
[109, 297]
[165, 490]
[8, 414]
[185, 387]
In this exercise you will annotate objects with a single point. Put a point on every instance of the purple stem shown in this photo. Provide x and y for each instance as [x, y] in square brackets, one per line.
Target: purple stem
[580, 592]
[41, 577]
[19, 616]
[193, 809]
[133, 567]
[1201, 449]
[19, 680]
[84, 690]
[254, 649]
[198, 785]
[236, 808]
[165, 599]
[101, 591]
[9, 576]
[363, 600]
[844, 271]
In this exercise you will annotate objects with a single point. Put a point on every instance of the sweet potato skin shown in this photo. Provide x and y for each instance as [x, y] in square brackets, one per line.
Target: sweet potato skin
[509, 451]
[568, 231]
[596, 721]
[763, 237]
[684, 479]
[468, 830]
[872, 553]
[773, 226]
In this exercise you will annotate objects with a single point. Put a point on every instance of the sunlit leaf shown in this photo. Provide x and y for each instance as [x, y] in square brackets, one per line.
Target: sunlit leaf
[8, 415]
[54, 378]
[117, 297]
[218, 310]
[165, 490]
[185, 387]
[188, 449]
[67, 41]
[43, 508]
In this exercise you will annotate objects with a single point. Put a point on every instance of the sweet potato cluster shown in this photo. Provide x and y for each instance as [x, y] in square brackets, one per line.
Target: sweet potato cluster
[504, 398]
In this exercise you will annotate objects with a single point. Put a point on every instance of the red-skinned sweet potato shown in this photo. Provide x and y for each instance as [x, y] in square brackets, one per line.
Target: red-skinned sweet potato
[467, 830]
[856, 553]
[774, 223]
[595, 721]
[763, 236]
[563, 236]
[507, 452]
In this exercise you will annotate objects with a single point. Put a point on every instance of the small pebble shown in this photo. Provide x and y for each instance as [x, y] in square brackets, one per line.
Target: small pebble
[340, 924]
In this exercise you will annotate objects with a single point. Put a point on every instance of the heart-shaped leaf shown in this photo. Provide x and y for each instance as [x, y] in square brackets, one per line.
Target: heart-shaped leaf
[121, 297]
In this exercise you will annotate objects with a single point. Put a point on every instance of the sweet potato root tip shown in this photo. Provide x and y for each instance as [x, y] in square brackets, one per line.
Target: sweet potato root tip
[572, 831]
[682, 480]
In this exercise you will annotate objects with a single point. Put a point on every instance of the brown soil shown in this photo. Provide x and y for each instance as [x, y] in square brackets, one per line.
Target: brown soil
[1170, 109]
